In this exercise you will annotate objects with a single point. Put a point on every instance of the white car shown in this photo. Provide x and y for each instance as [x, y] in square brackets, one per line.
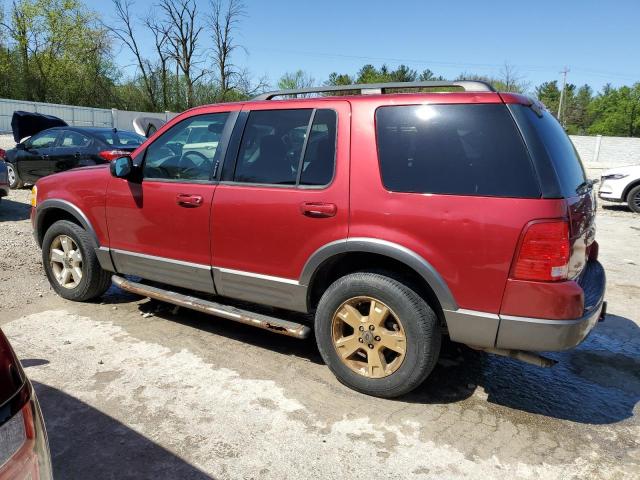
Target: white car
[622, 184]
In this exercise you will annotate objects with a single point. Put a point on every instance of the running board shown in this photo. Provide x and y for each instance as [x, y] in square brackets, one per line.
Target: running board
[273, 324]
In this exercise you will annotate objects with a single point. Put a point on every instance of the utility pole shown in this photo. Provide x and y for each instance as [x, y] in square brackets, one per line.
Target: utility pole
[564, 83]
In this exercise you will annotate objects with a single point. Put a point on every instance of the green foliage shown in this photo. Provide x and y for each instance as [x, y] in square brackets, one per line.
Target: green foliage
[56, 51]
[549, 94]
[295, 80]
[616, 112]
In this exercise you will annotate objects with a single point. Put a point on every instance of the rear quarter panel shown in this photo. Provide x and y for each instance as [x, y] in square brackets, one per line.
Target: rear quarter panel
[469, 240]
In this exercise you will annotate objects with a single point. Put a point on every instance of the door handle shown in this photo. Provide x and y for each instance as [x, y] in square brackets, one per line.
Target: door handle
[188, 200]
[45, 156]
[318, 209]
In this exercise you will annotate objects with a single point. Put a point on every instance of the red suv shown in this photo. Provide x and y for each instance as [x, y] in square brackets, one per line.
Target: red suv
[393, 217]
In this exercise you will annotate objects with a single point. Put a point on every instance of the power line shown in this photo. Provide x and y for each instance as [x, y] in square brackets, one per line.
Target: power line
[486, 66]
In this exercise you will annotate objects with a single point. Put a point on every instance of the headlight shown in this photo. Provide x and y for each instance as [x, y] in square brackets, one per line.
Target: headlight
[614, 176]
[34, 196]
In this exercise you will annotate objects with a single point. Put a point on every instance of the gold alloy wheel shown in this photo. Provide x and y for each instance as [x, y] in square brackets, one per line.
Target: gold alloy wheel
[368, 337]
[65, 259]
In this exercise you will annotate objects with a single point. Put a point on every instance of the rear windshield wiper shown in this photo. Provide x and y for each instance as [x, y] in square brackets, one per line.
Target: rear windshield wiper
[585, 186]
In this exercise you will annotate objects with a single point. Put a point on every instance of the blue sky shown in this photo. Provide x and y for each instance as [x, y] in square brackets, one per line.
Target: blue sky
[597, 41]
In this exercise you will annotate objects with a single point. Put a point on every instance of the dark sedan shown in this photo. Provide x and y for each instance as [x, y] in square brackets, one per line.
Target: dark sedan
[4, 176]
[62, 148]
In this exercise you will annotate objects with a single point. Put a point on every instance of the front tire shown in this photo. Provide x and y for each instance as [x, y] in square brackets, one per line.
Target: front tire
[376, 334]
[71, 263]
[13, 177]
[633, 199]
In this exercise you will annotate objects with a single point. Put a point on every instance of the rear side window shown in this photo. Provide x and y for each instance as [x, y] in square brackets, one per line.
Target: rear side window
[74, 139]
[453, 149]
[319, 157]
[287, 147]
[558, 146]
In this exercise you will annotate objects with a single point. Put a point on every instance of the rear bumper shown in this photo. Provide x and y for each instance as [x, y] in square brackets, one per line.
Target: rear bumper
[479, 329]
[539, 335]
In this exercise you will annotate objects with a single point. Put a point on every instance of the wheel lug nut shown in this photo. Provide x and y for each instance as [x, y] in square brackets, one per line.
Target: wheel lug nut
[371, 327]
[370, 345]
[360, 340]
[377, 339]
[361, 328]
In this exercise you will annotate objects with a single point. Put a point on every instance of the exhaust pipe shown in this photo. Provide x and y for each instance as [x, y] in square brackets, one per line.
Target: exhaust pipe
[527, 357]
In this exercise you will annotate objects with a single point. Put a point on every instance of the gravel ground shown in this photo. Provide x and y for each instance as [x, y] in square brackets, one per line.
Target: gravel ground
[131, 389]
[6, 141]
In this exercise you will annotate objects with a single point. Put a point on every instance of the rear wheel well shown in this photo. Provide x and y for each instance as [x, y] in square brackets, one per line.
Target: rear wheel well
[51, 216]
[346, 263]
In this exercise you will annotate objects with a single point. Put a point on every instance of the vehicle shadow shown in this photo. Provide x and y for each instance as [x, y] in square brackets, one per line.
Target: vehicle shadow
[264, 339]
[11, 211]
[596, 383]
[86, 443]
[616, 207]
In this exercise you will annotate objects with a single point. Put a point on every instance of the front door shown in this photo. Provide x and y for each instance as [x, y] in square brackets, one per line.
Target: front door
[36, 160]
[159, 227]
[283, 196]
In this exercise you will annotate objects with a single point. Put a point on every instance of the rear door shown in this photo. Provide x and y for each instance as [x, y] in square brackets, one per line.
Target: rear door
[159, 227]
[72, 151]
[284, 195]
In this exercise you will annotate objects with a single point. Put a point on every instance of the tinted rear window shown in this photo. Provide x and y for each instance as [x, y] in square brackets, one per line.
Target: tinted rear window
[453, 149]
[558, 146]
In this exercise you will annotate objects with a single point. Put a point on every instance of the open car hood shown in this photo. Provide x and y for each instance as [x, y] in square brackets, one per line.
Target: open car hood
[25, 124]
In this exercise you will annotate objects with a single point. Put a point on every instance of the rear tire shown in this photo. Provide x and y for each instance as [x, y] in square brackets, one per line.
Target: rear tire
[13, 177]
[633, 199]
[376, 334]
[71, 263]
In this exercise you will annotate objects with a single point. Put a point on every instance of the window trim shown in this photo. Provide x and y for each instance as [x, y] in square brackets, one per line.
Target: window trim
[516, 127]
[223, 144]
[230, 164]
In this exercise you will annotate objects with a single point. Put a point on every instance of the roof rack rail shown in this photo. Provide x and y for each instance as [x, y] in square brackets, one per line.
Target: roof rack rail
[378, 88]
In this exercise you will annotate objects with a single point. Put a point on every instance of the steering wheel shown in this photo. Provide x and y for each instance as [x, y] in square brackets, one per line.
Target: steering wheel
[194, 168]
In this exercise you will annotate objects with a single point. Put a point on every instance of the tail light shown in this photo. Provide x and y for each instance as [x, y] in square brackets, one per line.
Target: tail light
[3, 154]
[544, 252]
[109, 155]
[24, 451]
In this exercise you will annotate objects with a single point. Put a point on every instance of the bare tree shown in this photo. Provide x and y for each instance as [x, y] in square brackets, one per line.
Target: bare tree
[125, 33]
[512, 80]
[160, 31]
[224, 20]
[183, 36]
[296, 81]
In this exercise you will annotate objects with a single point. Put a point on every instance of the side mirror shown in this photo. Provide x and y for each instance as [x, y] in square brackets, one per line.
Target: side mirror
[21, 146]
[121, 167]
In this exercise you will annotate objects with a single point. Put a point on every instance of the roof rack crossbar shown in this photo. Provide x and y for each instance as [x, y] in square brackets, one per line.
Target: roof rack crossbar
[377, 88]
